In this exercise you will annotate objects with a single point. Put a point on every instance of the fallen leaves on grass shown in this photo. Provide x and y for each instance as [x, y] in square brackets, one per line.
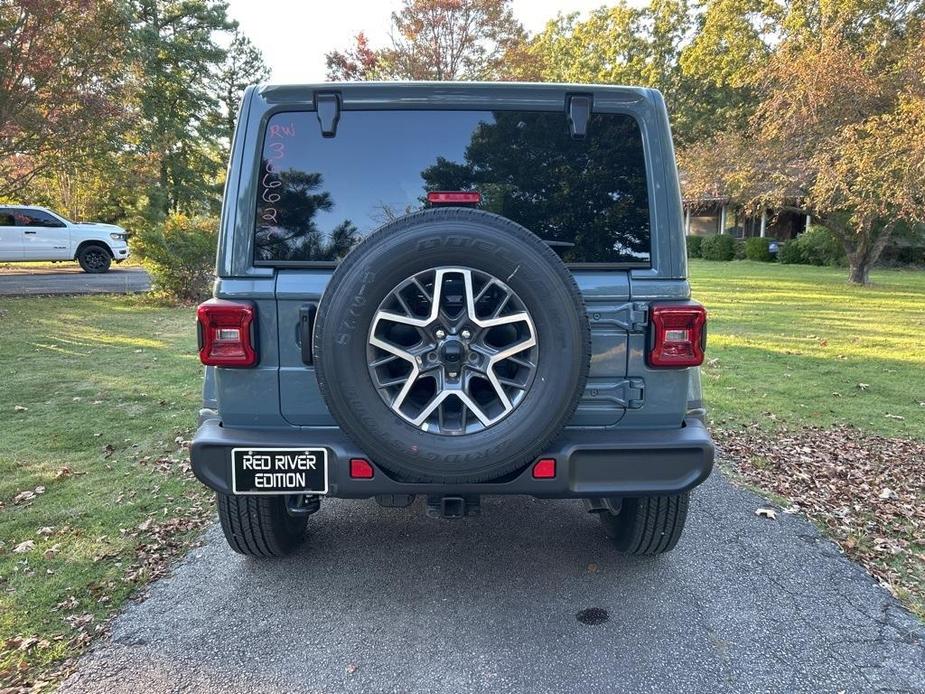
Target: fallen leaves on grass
[24, 547]
[867, 490]
[24, 497]
[162, 536]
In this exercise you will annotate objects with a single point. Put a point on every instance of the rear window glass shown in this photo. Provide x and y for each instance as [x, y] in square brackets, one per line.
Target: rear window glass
[318, 197]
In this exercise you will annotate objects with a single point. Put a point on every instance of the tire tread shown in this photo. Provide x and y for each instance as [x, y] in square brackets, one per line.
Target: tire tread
[258, 526]
[648, 525]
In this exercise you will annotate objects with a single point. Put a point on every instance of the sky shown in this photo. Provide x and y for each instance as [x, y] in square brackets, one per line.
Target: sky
[294, 35]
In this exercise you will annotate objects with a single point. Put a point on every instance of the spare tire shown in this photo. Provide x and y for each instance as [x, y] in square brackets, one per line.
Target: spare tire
[452, 345]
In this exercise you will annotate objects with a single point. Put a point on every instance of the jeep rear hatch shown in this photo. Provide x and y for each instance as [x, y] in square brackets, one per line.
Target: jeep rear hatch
[322, 189]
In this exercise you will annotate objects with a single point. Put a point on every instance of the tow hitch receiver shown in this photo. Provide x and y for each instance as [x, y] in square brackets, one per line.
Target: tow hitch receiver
[453, 507]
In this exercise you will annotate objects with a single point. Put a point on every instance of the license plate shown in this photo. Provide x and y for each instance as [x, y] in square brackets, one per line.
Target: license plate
[279, 470]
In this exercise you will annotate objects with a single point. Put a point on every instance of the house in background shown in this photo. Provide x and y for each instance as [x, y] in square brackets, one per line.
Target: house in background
[718, 215]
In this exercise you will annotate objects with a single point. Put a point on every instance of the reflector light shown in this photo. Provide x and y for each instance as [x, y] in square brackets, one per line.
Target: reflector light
[453, 197]
[225, 337]
[678, 335]
[544, 469]
[361, 469]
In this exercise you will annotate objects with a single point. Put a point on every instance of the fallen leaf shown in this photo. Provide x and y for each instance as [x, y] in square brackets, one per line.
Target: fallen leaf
[51, 552]
[27, 495]
[144, 525]
[26, 546]
[887, 493]
[46, 531]
[863, 386]
[351, 668]
[894, 416]
[766, 513]
[593, 568]
[63, 472]
[20, 408]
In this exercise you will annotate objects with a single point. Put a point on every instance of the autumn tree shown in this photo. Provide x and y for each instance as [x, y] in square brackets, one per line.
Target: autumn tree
[61, 84]
[359, 62]
[836, 133]
[436, 40]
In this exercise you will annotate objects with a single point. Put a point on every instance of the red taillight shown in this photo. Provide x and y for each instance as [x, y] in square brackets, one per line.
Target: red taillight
[361, 469]
[226, 333]
[448, 197]
[544, 469]
[678, 334]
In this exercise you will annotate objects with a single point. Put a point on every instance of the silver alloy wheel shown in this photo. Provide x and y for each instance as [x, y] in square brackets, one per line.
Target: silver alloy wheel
[452, 350]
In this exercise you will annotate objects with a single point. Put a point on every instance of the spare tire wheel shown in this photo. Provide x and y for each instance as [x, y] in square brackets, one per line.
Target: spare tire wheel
[452, 345]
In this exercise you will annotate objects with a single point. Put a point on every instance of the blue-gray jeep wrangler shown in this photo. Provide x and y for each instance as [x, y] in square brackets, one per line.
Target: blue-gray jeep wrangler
[451, 290]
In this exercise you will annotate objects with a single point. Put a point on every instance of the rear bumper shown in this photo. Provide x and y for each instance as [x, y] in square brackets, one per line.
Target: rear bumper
[589, 463]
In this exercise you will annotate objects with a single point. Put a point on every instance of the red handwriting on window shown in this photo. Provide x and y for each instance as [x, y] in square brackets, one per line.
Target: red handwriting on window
[274, 152]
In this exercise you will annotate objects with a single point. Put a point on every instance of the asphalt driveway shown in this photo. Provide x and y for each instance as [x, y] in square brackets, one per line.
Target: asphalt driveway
[388, 600]
[68, 279]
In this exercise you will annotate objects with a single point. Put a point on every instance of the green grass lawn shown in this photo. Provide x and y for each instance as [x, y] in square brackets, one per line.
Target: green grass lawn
[94, 392]
[797, 345]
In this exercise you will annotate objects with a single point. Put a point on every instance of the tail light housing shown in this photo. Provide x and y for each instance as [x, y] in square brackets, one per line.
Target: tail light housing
[679, 335]
[226, 333]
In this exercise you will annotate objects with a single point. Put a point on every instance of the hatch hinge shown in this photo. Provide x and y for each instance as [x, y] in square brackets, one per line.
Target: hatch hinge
[632, 316]
[327, 105]
[628, 393]
[578, 107]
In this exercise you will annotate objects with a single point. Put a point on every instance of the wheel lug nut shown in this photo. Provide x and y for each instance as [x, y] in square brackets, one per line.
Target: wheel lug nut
[440, 334]
[432, 356]
[466, 334]
[473, 357]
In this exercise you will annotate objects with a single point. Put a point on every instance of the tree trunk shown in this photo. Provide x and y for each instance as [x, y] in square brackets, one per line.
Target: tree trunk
[859, 272]
[869, 244]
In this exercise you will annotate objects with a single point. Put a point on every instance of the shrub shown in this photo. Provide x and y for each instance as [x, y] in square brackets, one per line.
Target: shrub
[790, 253]
[694, 244]
[821, 247]
[738, 249]
[816, 246]
[180, 255]
[719, 247]
[757, 248]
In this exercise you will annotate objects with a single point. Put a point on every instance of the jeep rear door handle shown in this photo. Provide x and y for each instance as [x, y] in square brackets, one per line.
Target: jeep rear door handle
[306, 325]
[29, 232]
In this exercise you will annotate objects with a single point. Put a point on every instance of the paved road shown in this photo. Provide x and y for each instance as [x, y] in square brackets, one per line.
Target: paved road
[72, 280]
[388, 600]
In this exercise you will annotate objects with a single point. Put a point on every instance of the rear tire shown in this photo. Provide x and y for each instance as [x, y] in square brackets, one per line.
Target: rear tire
[260, 526]
[647, 524]
[94, 259]
[451, 240]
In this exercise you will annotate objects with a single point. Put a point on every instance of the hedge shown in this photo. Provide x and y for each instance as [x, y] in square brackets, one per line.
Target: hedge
[694, 244]
[757, 248]
[719, 247]
[816, 246]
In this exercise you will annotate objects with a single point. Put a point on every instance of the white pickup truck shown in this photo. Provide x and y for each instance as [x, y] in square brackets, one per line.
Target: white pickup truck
[37, 234]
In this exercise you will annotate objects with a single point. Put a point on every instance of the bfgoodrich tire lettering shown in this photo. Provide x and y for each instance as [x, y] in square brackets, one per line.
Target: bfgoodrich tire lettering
[486, 243]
